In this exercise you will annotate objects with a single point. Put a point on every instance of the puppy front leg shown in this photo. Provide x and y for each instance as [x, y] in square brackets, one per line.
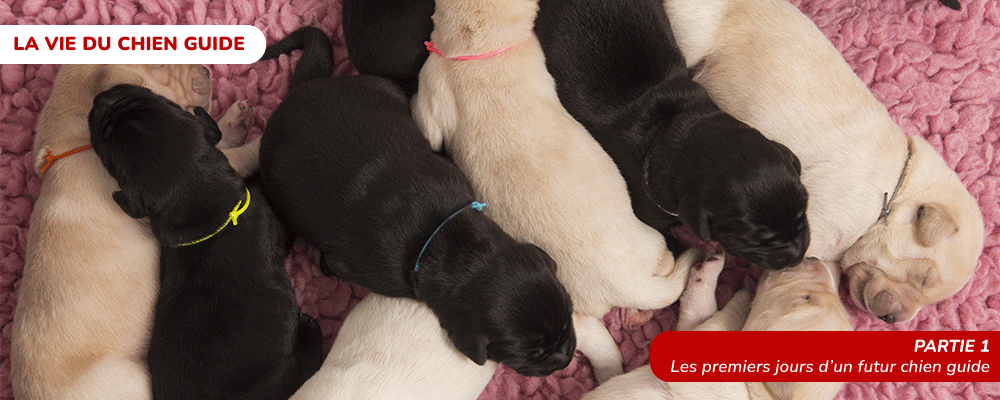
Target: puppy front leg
[244, 159]
[698, 299]
[595, 342]
[732, 317]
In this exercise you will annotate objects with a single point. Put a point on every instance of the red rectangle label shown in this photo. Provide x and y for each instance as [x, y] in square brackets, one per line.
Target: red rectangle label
[923, 356]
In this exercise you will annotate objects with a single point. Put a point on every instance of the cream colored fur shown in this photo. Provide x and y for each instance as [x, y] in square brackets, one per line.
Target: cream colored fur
[545, 180]
[91, 273]
[801, 298]
[394, 348]
[766, 63]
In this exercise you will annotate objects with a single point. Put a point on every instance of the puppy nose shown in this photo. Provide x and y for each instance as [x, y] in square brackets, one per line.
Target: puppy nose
[885, 304]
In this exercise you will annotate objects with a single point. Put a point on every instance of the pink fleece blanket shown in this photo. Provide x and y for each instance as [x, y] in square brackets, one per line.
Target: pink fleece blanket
[937, 71]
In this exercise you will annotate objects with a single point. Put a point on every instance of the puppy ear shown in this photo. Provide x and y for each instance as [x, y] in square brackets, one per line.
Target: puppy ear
[933, 224]
[473, 345]
[212, 132]
[796, 163]
[695, 218]
[780, 390]
[128, 205]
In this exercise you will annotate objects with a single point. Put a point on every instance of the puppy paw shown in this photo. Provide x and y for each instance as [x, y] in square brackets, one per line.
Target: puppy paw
[235, 124]
[706, 275]
[698, 298]
[635, 318]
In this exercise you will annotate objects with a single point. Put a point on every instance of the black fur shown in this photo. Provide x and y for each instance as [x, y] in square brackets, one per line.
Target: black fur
[386, 38]
[317, 54]
[227, 325]
[952, 4]
[619, 72]
[346, 168]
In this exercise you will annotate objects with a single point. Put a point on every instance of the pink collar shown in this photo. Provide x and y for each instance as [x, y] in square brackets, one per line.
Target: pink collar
[432, 49]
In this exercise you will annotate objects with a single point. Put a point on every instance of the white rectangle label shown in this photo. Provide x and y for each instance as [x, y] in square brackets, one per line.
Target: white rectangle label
[130, 44]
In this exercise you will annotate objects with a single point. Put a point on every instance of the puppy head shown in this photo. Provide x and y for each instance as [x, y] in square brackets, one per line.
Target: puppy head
[146, 143]
[925, 250]
[187, 85]
[538, 336]
[513, 310]
[745, 193]
[799, 298]
[59, 126]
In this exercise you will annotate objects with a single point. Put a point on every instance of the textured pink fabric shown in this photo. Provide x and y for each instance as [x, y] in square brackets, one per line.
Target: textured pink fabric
[935, 69]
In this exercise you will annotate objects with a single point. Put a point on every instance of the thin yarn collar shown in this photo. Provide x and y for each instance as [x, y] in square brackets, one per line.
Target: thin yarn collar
[886, 200]
[49, 158]
[475, 205]
[430, 47]
[649, 191]
[237, 211]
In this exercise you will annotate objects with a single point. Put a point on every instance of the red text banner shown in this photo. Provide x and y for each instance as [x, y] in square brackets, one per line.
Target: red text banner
[922, 356]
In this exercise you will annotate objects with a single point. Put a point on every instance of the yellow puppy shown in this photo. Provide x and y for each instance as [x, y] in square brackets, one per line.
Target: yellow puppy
[801, 298]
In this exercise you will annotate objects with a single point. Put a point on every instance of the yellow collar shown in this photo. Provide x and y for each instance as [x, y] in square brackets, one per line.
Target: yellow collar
[237, 210]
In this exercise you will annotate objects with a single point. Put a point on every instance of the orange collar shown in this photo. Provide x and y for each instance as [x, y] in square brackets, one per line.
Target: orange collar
[49, 158]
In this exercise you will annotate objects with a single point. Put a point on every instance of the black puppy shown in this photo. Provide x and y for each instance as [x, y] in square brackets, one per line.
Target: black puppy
[227, 325]
[346, 168]
[386, 38]
[619, 72]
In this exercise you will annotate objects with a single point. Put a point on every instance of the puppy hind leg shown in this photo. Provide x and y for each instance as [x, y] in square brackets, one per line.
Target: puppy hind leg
[595, 342]
[698, 299]
[658, 291]
[235, 124]
[244, 159]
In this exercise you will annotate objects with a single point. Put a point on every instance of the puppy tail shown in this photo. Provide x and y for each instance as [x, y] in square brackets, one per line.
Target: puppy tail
[317, 54]
[952, 4]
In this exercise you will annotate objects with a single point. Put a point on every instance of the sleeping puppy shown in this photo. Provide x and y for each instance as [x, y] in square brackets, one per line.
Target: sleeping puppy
[489, 102]
[682, 158]
[78, 332]
[885, 206]
[227, 323]
[386, 38]
[394, 348]
[346, 168]
[801, 298]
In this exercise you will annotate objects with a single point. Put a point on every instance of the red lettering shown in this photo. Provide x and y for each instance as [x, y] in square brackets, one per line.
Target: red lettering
[31, 45]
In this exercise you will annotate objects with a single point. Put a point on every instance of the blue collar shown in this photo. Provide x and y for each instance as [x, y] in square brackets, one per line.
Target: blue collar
[475, 204]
